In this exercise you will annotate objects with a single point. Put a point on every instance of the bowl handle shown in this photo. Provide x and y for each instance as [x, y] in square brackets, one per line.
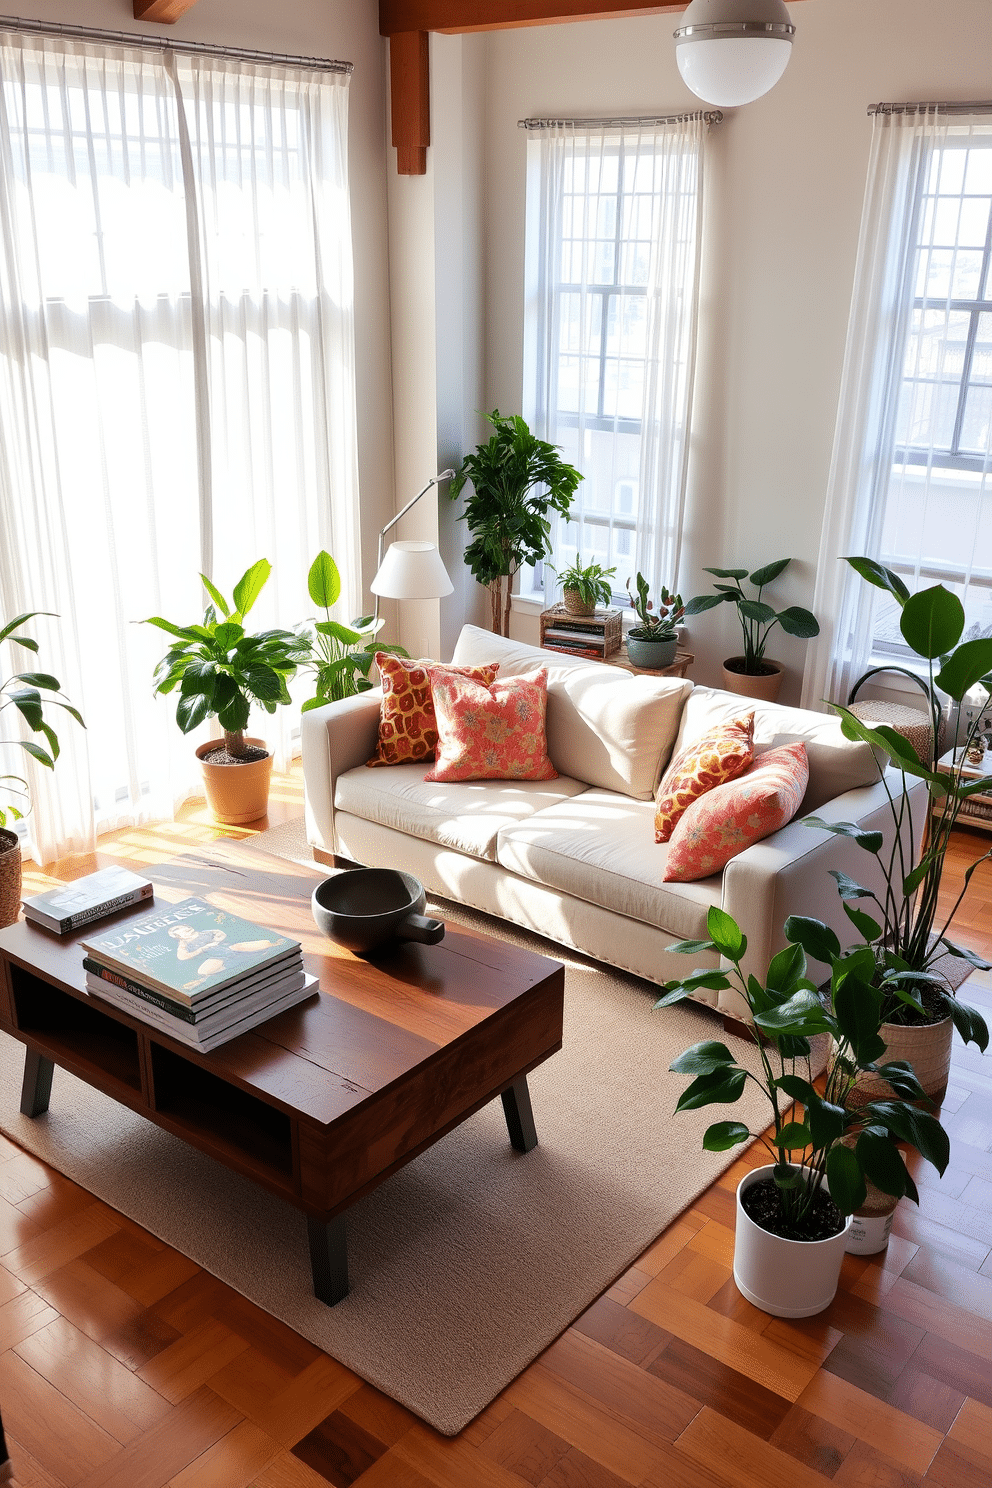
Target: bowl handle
[419, 927]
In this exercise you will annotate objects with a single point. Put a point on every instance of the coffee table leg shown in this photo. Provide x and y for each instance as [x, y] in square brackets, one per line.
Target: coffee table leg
[36, 1088]
[328, 1258]
[519, 1115]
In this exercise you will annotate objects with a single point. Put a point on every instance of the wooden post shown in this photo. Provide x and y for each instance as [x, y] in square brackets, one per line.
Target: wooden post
[166, 11]
[409, 91]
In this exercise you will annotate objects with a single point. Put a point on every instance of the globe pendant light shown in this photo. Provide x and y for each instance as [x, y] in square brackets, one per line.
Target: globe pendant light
[730, 52]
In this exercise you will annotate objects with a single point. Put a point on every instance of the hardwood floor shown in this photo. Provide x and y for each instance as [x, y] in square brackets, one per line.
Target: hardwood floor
[122, 1363]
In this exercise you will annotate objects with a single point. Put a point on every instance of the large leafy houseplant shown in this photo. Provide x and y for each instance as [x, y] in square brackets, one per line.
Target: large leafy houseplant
[339, 657]
[833, 1139]
[756, 616]
[909, 936]
[28, 693]
[221, 669]
[516, 480]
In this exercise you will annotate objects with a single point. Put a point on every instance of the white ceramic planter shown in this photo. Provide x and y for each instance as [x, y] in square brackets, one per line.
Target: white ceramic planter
[787, 1278]
[869, 1233]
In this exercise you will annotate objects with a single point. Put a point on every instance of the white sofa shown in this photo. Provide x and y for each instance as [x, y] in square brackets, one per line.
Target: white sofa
[575, 858]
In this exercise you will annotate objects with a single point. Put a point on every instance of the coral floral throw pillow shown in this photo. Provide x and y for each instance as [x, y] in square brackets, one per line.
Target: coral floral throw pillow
[493, 732]
[707, 762]
[407, 727]
[720, 824]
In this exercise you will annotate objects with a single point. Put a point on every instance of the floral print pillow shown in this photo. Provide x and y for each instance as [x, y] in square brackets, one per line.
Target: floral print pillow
[490, 732]
[729, 818]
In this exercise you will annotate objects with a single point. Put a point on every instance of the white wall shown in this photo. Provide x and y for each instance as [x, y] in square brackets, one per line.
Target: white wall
[785, 190]
[347, 30]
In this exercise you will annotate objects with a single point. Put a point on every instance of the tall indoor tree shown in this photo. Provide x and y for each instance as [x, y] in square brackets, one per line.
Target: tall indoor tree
[516, 480]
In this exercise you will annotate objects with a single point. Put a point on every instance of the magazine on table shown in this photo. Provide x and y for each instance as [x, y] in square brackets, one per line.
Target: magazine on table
[98, 894]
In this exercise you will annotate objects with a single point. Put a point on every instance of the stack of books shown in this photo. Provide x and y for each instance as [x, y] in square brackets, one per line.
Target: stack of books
[594, 636]
[199, 974]
[91, 898]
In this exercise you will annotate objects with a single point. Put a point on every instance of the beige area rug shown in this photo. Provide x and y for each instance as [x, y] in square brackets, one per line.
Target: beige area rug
[471, 1260]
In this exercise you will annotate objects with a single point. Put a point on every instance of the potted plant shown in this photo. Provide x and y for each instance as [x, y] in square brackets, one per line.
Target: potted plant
[221, 670]
[28, 693]
[516, 479]
[904, 930]
[652, 642]
[754, 674]
[583, 588]
[793, 1215]
[340, 657]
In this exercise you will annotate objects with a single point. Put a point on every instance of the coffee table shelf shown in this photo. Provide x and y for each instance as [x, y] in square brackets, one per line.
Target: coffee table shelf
[74, 1033]
[201, 1105]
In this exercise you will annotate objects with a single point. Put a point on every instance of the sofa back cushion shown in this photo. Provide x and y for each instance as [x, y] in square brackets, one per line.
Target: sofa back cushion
[836, 764]
[605, 726]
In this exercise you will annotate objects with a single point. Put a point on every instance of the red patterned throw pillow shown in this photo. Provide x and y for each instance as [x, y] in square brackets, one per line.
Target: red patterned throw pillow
[712, 760]
[718, 825]
[491, 732]
[407, 727]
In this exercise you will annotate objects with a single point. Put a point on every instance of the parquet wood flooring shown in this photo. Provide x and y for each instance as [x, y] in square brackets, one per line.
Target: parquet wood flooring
[122, 1363]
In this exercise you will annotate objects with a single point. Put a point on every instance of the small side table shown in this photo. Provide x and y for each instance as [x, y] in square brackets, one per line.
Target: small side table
[683, 661]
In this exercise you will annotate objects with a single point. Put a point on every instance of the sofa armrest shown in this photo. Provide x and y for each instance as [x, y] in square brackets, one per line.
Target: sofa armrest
[334, 739]
[789, 872]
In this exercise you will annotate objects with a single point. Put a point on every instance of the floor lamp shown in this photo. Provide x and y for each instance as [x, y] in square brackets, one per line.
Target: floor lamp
[411, 570]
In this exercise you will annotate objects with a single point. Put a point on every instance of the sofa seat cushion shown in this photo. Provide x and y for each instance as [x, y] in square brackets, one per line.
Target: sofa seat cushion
[605, 726]
[464, 815]
[600, 847]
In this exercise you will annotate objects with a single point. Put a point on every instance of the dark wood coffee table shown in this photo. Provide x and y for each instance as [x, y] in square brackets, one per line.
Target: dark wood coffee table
[324, 1101]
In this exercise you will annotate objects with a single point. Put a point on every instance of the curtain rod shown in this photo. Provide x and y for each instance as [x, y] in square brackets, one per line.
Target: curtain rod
[916, 108]
[713, 117]
[163, 44]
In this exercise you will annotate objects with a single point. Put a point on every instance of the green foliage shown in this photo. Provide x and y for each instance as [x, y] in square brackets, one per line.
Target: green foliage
[28, 693]
[787, 1012]
[757, 618]
[654, 625]
[903, 929]
[221, 669]
[591, 583]
[516, 480]
[339, 657]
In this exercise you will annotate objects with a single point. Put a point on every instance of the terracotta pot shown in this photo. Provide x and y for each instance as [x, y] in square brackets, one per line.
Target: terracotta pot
[236, 794]
[10, 876]
[574, 605]
[765, 687]
[927, 1049]
[787, 1278]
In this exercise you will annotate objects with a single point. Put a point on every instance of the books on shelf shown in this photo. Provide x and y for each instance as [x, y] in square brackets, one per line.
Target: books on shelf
[189, 949]
[91, 898]
[598, 635]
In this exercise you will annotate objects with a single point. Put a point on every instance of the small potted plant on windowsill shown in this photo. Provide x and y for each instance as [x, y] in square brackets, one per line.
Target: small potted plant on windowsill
[583, 587]
[220, 670]
[793, 1215]
[753, 674]
[653, 641]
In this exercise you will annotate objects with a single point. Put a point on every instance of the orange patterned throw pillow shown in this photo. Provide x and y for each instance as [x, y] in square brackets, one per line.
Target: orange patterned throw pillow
[717, 826]
[493, 732]
[407, 728]
[712, 760]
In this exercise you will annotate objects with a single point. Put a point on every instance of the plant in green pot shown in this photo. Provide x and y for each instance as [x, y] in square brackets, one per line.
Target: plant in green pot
[221, 670]
[517, 479]
[339, 657]
[753, 674]
[793, 1214]
[28, 693]
[915, 959]
[653, 641]
[584, 586]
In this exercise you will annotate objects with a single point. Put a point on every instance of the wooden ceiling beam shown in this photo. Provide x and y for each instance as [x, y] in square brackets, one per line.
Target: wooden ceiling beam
[165, 11]
[456, 16]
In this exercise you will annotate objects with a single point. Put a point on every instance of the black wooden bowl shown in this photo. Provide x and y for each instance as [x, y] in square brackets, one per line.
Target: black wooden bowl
[365, 908]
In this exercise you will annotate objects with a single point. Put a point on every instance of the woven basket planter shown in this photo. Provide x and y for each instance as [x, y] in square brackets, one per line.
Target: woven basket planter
[927, 1049]
[10, 877]
[574, 605]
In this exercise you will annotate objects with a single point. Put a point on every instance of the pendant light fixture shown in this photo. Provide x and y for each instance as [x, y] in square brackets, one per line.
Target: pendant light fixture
[730, 52]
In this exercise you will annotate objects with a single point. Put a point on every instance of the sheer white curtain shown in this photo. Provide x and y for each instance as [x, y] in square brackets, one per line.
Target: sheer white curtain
[176, 381]
[613, 248]
[909, 481]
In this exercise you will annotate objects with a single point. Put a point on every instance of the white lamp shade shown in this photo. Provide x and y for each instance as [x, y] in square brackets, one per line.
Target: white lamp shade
[412, 570]
[730, 52]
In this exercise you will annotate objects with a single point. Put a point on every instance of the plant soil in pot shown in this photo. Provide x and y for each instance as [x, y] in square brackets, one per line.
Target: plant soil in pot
[786, 1277]
[237, 790]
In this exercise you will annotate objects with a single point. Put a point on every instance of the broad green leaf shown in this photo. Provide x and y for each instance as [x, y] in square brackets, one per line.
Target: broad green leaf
[725, 934]
[826, 1123]
[868, 928]
[969, 1023]
[786, 969]
[215, 595]
[882, 578]
[704, 602]
[770, 572]
[691, 947]
[965, 667]
[849, 888]
[847, 1187]
[722, 1087]
[250, 586]
[37, 753]
[324, 580]
[813, 936]
[727, 573]
[918, 1128]
[794, 1136]
[723, 1135]
[799, 622]
[882, 1161]
[191, 711]
[39, 679]
[786, 1176]
[702, 1059]
[798, 1088]
[902, 1077]
[932, 621]
[756, 609]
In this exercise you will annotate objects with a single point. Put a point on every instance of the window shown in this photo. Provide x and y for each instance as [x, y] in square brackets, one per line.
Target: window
[613, 217]
[911, 477]
[176, 379]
